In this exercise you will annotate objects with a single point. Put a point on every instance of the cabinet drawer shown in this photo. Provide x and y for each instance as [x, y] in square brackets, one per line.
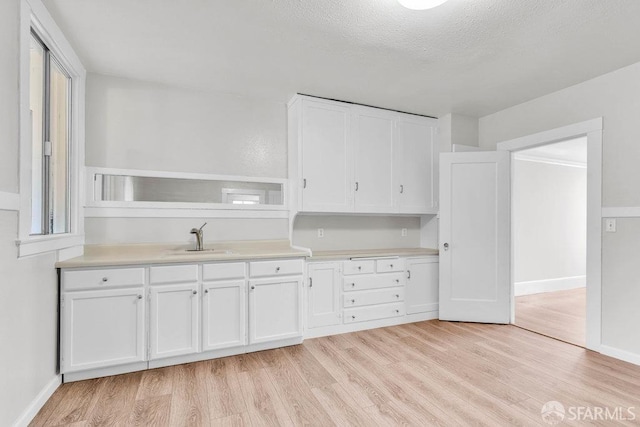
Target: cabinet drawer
[389, 265]
[358, 267]
[227, 270]
[103, 278]
[373, 281]
[373, 312]
[276, 268]
[173, 274]
[378, 296]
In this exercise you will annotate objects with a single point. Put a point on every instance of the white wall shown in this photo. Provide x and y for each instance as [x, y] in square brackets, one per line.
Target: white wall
[176, 230]
[616, 98]
[457, 129]
[550, 224]
[356, 232]
[139, 125]
[28, 286]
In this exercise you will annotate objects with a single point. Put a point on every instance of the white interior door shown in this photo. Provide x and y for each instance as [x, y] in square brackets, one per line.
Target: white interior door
[474, 237]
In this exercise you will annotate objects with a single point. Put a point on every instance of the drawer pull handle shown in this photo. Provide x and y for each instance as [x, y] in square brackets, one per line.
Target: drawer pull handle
[359, 267]
[139, 296]
[104, 279]
[353, 301]
[397, 295]
[397, 311]
[391, 265]
[397, 280]
[277, 269]
[353, 285]
[353, 317]
[195, 292]
[408, 274]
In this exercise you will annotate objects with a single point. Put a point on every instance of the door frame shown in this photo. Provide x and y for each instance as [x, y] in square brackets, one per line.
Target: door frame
[592, 130]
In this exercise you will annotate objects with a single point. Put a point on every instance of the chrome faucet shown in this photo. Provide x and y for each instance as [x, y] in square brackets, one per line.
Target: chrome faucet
[199, 240]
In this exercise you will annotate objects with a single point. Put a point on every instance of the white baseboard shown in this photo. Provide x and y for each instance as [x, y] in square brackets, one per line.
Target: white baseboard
[9, 201]
[623, 355]
[32, 410]
[549, 285]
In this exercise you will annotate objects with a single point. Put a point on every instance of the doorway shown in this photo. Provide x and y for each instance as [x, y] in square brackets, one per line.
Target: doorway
[549, 223]
[592, 131]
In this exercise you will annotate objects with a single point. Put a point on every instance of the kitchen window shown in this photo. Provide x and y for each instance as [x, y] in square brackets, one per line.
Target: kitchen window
[50, 109]
[52, 100]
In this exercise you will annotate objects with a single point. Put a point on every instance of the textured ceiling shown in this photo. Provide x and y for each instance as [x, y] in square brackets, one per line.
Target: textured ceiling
[469, 57]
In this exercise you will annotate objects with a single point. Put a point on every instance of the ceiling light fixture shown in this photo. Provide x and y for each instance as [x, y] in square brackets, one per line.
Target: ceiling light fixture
[420, 4]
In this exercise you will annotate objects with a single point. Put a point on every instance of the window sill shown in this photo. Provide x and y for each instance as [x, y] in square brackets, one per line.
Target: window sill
[34, 245]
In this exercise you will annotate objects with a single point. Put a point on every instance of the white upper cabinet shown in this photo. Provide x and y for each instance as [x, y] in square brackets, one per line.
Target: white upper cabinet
[416, 165]
[326, 158]
[373, 136]
[351, 158]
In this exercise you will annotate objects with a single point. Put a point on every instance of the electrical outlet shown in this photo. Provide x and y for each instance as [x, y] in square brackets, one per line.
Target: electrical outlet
[403, 233]
[610, 225]
[320, 233]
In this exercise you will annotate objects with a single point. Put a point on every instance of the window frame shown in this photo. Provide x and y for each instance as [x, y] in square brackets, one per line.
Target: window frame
[35, 17]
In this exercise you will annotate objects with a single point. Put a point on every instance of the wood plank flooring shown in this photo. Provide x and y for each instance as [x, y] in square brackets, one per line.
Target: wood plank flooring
[559, 314]
[427, 373]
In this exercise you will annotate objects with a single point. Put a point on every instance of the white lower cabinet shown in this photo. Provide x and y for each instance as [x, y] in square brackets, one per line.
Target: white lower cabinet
[323, 302]
[275, 309]
[224, 314]
[174, 320]
[422, 285]
[102, 328]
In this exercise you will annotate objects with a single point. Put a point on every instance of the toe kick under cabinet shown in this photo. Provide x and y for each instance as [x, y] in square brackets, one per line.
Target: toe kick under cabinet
[355, 294]
[124, 319]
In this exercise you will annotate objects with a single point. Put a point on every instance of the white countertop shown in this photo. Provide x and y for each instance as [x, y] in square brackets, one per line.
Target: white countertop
[370, 253]
[136, 254]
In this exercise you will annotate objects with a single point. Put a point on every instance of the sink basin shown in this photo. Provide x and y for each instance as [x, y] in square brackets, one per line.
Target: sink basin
[195, 252]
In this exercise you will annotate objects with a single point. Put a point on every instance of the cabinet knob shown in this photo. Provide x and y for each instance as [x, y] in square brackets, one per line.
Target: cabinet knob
[353, 301]
[253, 287]
[359, 267]
[104, 279]
[195, 292]
[397, 280]
[139, 296]
[277, 269]
[391, 265]
[397, 295]
[353, 285]
[206, 291]
[397, 311]
[446, 246]
[353, 317]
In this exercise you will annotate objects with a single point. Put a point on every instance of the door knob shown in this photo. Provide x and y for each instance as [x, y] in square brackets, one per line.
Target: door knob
[446, 246]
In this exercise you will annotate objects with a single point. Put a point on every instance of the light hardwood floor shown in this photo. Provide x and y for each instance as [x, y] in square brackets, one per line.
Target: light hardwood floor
[559, 314]
[427, 373]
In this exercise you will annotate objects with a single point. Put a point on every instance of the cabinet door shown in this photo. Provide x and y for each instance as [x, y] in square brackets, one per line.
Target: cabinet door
[224, 315]
[374, 161]
[275, 309]
[102, 328]
[174, 320]
[416, 165]
[422, 285]
[327, 160]
[324, 295]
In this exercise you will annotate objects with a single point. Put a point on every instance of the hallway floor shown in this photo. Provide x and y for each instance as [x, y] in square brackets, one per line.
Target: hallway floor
[559, 314]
